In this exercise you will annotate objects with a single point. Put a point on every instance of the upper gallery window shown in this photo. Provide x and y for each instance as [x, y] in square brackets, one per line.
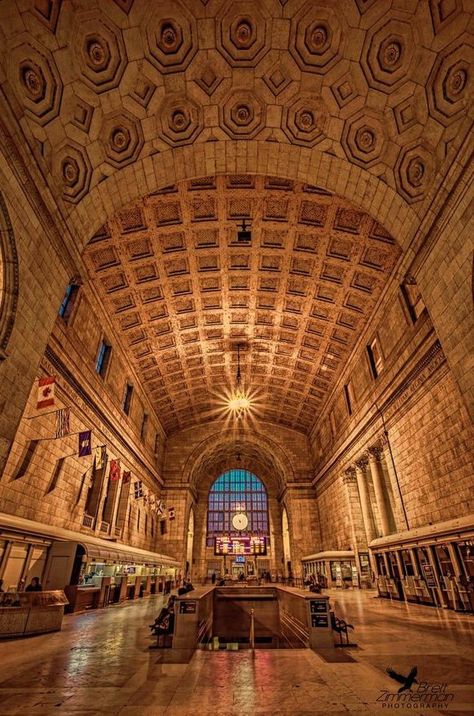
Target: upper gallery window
[127, 398]
[143, 427]
[68, 301]
[103, 358]
[413, 299]
[349, 396]
[375, 358]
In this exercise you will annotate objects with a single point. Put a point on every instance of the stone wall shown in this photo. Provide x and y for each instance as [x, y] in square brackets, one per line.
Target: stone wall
[413, 412]
[58, 498]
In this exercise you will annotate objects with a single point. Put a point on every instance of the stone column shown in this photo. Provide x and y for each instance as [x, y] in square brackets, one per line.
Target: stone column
[399, 515]
[367, 516]
[377, 477]
[350, 481]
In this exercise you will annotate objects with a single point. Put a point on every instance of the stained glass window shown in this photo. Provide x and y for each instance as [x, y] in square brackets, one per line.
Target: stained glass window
[237, 491]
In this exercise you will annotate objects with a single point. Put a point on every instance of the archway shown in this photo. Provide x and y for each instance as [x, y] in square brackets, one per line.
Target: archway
[286, 543]
[190, 542]
[238, 541]
[9, 282]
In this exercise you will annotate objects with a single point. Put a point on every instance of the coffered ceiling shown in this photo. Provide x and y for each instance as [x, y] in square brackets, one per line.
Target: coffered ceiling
[97, 86]
[379, 89]
[183, 292]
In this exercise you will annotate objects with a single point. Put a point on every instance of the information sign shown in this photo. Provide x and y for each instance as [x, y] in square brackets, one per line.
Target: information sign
[428, 574]
[187, 607]
[319, 620]
[318, 606]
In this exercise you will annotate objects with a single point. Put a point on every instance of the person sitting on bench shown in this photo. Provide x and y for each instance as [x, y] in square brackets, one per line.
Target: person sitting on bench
[164, 622]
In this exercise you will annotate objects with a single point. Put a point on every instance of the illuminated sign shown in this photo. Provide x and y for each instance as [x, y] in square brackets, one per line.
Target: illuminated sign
[240, 545]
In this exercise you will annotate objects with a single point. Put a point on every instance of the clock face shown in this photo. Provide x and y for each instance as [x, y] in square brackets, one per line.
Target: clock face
[240, 521]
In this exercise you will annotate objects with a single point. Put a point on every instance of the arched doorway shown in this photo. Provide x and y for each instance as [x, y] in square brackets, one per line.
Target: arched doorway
[238, 535]
[190, 543]
[286, 543]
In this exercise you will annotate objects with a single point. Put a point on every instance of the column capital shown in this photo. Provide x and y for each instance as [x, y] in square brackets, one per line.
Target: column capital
[381, 441]
[375, 453]
[362, 462]
[349, 475]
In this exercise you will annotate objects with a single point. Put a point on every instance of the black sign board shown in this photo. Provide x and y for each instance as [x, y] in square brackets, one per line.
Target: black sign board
[318, 606]
[187, 607]
[319, 620]
[428, 574]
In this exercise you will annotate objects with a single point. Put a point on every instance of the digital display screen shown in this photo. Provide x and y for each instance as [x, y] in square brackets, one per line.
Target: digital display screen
[240, 545]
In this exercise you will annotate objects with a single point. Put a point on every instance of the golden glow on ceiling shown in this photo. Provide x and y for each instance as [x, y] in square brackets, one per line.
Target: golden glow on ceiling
[239, 402]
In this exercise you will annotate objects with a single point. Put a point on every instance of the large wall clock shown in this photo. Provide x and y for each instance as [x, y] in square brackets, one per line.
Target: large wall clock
[240, 521]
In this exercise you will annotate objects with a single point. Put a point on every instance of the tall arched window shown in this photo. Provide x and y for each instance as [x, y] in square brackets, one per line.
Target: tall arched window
[237, 491]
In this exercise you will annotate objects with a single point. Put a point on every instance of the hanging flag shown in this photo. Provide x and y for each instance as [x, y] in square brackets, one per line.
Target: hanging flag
[138, 489]
[99, 456]
[85, 440]
[126, 476]
[46, 387]
[171, 513]
[114, 474]
[62, 422]
[160, 507]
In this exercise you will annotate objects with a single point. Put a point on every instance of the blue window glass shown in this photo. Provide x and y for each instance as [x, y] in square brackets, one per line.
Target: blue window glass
[237, 491]
[103, 357]
[68, 301]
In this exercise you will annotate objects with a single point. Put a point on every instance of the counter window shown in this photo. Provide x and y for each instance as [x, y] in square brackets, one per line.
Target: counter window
[14, 566]
[466, 553]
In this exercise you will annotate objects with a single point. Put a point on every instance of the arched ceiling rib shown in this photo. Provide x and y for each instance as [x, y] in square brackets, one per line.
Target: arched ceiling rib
[183, 292]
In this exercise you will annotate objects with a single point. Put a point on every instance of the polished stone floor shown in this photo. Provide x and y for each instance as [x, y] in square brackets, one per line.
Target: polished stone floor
[100, 664]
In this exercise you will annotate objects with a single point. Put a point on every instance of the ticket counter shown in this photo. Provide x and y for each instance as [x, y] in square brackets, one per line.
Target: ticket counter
[27, 613]
[338, 568]
[432, 566]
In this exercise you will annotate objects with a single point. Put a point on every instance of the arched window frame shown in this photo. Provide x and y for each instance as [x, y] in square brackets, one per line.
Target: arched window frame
[237, 490]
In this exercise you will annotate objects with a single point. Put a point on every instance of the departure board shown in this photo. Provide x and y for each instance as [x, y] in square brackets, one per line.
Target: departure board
[240, 545]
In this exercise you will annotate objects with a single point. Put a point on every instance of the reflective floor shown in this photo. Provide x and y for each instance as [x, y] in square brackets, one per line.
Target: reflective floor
[100, 664]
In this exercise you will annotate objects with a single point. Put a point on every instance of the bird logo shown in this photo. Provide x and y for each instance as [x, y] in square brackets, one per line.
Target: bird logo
[406, 681]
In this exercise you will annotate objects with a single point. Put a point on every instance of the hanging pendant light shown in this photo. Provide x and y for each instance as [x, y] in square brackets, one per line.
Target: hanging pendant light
[239, 402]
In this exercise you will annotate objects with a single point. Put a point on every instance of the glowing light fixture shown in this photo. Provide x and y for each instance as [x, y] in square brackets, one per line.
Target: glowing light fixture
[239, 402]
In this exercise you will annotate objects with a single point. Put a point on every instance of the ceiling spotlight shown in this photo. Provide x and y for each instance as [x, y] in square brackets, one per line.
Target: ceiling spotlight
[244, 234]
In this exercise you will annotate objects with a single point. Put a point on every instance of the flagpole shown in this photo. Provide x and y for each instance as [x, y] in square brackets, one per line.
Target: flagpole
[61, 437]
[40, 415]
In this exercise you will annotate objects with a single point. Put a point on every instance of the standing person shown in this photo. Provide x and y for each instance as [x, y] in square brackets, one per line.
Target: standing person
[188, 585]
[34, 585]
[213, 578]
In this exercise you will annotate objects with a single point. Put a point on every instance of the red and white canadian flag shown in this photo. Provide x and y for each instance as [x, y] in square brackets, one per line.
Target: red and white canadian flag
[46, 388]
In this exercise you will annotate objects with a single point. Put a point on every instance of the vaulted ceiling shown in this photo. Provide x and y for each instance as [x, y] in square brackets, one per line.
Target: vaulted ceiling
[99, 90]
[183, 293]
[98, 86]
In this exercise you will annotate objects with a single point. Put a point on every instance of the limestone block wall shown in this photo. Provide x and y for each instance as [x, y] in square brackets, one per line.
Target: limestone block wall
[39, 277]
[446, 279]
[432, 444]
[305, 525]
[414, 415]
[333, 516]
